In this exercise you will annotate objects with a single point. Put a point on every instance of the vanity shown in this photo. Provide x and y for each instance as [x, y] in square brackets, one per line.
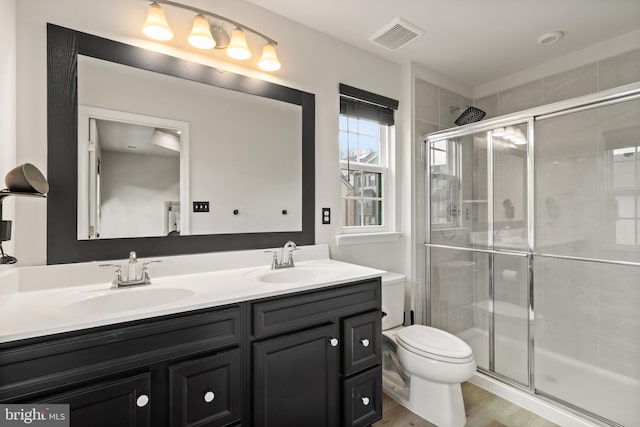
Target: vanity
[246, 346]
[217, 338]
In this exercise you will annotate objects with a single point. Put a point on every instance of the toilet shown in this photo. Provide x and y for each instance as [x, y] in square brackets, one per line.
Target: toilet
[422, 366]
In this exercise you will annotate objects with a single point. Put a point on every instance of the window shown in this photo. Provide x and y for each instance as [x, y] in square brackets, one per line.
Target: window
[624, 182]
[445, 183]
[364, 137]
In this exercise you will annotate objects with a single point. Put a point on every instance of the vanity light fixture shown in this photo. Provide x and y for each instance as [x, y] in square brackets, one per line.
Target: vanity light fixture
[238, 48]
[208, 34]
[269, 60]
[200, 36]
[156, 25]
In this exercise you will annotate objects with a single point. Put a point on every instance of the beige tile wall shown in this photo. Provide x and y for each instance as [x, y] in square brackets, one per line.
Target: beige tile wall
[432, 114]
[432, 105]
[616, 71]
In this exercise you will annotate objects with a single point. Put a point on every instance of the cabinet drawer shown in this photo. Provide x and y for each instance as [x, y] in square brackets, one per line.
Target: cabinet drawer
[123, 403]
[297, 311]
[363, 398]
[362, 335]
[206, 392]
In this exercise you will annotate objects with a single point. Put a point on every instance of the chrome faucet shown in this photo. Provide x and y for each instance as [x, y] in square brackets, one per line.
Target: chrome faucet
[132, 274]
[287, 251]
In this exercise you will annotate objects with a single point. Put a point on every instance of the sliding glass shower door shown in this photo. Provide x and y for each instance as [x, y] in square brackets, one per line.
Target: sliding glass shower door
[479, 240]
[533, 253]
[587, 269]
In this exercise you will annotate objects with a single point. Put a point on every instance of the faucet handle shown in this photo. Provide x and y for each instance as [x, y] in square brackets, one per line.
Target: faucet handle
[274, 260]
[145, 270]
[118, 266]
[133, 257]
[118, 278]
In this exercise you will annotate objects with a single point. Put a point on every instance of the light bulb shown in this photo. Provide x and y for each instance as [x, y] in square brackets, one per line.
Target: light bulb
[200, 36]
[238, 48]
[269, 60]
[156, 26]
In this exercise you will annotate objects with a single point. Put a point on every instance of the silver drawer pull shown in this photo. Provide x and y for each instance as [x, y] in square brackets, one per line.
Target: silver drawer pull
[365, 400]
[142, 400]
[364, 342]
[334, 342]
[209, 396]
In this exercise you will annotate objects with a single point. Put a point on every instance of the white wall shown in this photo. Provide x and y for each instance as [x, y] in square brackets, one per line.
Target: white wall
[134, 190]
[312, 62]
[7, 102]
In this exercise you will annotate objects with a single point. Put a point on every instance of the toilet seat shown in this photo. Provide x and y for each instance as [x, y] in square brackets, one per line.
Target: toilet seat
[434, 344]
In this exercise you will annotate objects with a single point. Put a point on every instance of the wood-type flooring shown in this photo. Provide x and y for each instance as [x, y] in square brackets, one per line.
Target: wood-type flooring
[484, 409]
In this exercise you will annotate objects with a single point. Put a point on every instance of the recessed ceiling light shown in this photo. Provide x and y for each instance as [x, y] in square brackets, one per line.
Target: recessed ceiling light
[550, 38]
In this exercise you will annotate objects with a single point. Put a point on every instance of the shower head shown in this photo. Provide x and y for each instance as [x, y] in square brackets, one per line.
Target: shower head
[469, 115]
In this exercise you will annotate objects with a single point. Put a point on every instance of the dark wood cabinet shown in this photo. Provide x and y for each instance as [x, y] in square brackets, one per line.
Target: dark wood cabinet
[207, 391]
[309, 349]
[362, 336]
[296, 379]
[308, 359]
[120, 375]
[363, 398]
[122, 403]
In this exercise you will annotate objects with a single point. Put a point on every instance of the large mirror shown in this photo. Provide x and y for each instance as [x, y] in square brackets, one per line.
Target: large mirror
[156, 154]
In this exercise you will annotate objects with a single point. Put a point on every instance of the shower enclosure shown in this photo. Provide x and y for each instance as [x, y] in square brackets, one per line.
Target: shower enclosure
[533, 249]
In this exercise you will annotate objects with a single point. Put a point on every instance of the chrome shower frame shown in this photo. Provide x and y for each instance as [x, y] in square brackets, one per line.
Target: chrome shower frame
[582, 103]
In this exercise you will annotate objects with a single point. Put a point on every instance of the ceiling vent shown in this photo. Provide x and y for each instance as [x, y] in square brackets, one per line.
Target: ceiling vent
[396, 34]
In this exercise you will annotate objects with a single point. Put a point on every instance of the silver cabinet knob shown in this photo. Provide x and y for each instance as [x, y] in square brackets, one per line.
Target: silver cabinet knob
[365, 400]
[142, 400]
[209, 396]
[334, 342]
[365, 342]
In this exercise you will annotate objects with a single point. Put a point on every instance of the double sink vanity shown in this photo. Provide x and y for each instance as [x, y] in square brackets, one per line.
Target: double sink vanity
[203, 344]
[218, 337]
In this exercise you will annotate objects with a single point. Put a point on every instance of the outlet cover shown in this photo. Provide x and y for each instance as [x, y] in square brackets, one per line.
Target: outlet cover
[326, 215]
[200, 206]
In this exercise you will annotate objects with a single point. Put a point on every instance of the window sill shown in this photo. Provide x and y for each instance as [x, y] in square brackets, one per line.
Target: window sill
[367, 238]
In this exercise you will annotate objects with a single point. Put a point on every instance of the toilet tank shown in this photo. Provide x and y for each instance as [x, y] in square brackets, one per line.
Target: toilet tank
[392, 300]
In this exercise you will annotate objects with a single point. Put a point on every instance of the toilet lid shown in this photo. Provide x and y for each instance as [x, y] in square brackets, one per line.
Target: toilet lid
[434, 343]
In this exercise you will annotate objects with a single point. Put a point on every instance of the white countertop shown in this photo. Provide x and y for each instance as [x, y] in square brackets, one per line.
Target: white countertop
[29, 310]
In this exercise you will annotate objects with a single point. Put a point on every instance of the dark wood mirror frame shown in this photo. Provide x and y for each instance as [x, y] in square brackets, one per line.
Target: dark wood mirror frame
[63, 47]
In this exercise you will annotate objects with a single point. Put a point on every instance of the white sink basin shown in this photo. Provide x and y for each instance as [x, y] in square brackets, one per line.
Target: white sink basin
[299, 274]
[119, 300]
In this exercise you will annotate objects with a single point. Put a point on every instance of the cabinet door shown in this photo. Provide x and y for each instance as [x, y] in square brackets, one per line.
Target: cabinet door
[296, 379]
[123, 403]
[206, 392]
